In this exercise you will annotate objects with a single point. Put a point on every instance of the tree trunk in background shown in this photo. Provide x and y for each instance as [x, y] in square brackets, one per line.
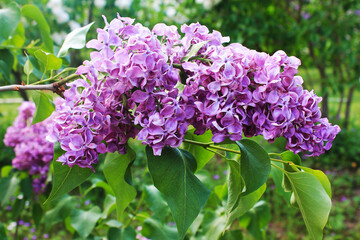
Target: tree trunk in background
[338, 113]
[325, 97]
[17, 76]
[348, 105]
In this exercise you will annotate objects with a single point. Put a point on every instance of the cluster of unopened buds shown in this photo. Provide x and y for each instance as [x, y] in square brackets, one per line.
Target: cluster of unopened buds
[33, 153]
[153, 84]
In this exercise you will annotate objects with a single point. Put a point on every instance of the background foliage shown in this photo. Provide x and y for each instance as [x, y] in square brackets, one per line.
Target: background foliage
[323, 34]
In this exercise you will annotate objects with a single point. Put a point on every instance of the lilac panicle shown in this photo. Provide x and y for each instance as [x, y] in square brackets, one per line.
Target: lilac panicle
[133, 87]
[33, 153]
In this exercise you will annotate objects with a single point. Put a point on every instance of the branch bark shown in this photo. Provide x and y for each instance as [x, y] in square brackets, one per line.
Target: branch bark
[55, 87]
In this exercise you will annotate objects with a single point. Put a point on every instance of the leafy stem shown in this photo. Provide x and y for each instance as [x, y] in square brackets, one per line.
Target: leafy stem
[55, 77]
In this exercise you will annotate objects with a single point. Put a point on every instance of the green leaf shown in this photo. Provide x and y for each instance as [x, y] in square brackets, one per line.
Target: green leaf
[18, 207]
[201, 155]
[194, 50]
[323, 179]
[8, 187]
[156, 202]
[173, 175]
[154, 229]
[76, 39]
[213, 224]
[109, 205]
[235, 185]
[60, 210]
[3, 232]
[34, 13]
[121, 234]
[4, 70]
[17, 38]
[48, 60]
[256, 219]
[9, 20]
[66, 178]
[244, 204]
[44, 106]
[28, 69]
[37, 213]
[278, 176]
[97, 183]
[26, 187]
[232, 235]
[5, 171]
[289, 157]
[313, 201]
[84, 221]
[115, 167]
[254, 165]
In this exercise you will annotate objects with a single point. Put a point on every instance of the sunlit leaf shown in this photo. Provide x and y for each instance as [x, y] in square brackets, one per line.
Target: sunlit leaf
[34, 13]
[44, 106]
[115, 168]
[84, 221]
[66, 178]
[9, 20]
[76, 39]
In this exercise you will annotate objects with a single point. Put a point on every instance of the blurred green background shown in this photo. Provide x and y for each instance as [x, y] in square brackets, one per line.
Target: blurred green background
[324, 34]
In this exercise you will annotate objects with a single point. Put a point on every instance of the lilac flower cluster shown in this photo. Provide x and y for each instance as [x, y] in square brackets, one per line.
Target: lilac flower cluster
[141, 83]
[32, 152]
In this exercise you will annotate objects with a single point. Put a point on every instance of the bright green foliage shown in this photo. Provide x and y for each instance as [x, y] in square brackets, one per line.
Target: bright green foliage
[28, 69]
[116, 169]
[34, 13]
[65, 178]
[313, 201]
[84, 221]
[48, 60]
[173, 176]
[254, 165]
[76, 39]
[9, 20]
[201, 155]
[323, 179]
[44, 106]
[292, 158]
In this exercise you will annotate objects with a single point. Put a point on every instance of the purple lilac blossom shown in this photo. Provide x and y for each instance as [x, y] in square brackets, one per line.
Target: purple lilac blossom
[33, 152]
[134, 90]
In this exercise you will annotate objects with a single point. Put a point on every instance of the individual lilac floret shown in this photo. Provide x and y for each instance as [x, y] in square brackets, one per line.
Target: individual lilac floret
[33, 153]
